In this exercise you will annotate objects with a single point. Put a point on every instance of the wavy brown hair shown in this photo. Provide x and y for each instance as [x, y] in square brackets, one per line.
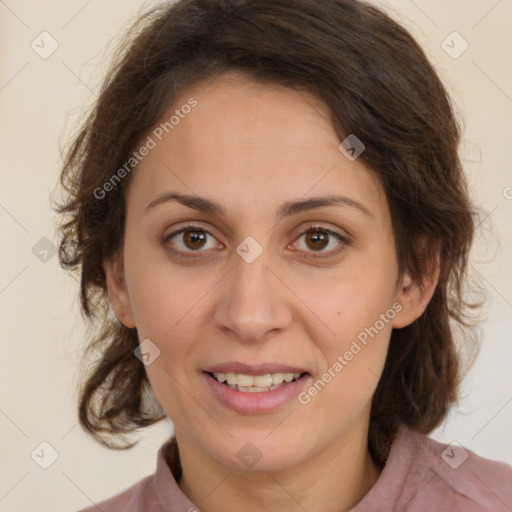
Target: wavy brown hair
[378, 85]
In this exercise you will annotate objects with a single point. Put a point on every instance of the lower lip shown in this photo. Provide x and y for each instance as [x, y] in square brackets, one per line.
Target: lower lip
[256, 403]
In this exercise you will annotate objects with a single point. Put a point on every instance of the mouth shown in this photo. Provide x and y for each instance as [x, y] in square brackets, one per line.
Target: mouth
[256, 383]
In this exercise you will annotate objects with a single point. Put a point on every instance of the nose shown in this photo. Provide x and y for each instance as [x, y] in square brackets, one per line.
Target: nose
[254, 301]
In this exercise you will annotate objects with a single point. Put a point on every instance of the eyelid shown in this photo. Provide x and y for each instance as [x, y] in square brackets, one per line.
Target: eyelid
[190, 225]
[344, 240]
[323, 226]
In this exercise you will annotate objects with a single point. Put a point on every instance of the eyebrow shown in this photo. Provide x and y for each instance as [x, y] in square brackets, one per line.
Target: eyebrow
[287, 209]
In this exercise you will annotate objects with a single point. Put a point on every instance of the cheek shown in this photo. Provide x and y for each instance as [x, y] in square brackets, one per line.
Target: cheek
[162, 293]
[166, 301]
[356, 309]
[352, 359]
[350, 301]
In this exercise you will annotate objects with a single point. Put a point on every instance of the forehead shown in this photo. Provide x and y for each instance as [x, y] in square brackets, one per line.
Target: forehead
[247, 139]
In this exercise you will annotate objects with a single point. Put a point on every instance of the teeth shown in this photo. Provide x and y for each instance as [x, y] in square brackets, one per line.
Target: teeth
[255, 383]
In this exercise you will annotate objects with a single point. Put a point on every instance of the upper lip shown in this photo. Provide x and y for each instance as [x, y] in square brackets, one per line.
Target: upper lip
[253, 369]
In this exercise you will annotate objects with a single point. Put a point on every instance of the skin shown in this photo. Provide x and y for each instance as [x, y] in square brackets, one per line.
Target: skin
[250, 147]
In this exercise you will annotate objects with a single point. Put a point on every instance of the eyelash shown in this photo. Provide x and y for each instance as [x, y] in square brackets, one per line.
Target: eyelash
[315, 228]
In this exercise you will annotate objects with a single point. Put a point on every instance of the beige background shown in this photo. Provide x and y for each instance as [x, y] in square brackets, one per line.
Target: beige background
[42, 332]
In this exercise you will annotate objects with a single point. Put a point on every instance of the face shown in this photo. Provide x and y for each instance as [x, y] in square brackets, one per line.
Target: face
[313, 289]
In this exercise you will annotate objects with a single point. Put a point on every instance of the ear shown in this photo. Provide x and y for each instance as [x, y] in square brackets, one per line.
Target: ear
[414, 295]
[117, 291]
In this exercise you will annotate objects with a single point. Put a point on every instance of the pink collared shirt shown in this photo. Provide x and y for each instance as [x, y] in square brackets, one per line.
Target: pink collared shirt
[420, 475]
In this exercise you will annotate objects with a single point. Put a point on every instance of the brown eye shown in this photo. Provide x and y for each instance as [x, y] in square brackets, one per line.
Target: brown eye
[194, 239]
[320, 242]
[189, 240]
[317, 240]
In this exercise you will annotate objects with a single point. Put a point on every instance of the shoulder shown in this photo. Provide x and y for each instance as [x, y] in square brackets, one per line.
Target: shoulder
[135, 498]
[155, 492]
[459, 479]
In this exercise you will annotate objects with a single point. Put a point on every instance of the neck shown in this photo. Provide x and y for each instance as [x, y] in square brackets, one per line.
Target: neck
[334, 479]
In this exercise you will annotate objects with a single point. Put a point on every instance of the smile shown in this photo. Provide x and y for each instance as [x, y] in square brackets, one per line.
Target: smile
[255, 383]
[256, 394]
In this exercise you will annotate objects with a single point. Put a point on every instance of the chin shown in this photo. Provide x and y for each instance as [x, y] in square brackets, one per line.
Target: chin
[262, 452]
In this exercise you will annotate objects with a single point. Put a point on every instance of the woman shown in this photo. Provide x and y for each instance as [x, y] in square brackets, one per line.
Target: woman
[268, 201]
